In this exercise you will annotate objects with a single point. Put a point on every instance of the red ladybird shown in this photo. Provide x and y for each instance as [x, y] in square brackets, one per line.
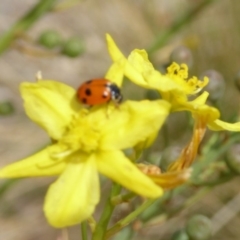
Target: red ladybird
[99, 91]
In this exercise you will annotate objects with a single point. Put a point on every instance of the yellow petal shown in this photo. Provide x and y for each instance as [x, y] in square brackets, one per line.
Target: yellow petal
[181, 104]
[115, 73]
[50, 104]
[219, 125]
[136, 67]
[203, 111]
[141, 71]
[147, 143]
[200, 100]
[39, 164]
[73, 197]
[133, 122]
[116, 166]
[113, 50]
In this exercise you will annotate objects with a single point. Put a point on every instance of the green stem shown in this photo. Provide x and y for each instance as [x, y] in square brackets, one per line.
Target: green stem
[100, 231]
[132, 216]
[163, 217]
[214, 154]
[84, 230]
[122, 198]
[162, 39]
[25, 22]
[7, 184]
[212, 183]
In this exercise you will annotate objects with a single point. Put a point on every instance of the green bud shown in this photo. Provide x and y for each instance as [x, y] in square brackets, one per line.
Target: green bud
[180, 235]
[6, 108]
[233, 158]
[50, 39]
[73, 47]
[199, 227]
[6, 100]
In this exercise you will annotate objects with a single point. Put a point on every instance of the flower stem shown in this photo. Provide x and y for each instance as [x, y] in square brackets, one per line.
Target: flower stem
[25, 22]
[100, 231]
[84, 230]
[162, 39]
[132, 216]
[122, 198]
[6, 185]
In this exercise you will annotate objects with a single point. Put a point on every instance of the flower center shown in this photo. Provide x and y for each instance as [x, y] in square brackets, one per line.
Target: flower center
[84, 133]
[180, 74]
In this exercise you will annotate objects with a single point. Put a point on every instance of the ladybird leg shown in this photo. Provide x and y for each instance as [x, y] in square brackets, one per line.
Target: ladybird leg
[116, 104]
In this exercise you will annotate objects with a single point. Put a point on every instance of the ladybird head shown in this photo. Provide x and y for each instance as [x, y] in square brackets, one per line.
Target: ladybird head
[116, 95]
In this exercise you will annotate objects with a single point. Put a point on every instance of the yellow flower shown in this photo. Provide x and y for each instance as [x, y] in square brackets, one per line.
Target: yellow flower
[174, 86]
[85, 142]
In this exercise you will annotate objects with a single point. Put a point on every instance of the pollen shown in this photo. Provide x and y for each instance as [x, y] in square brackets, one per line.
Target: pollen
[179, 74]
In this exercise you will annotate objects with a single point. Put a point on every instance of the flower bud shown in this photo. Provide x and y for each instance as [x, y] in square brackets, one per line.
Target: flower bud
[181, 55]
[216, 85]
[50, 39]
[233, 158]
[6, 97]
[180, 235]
[73, 47]
[198, 227]
[6, 108]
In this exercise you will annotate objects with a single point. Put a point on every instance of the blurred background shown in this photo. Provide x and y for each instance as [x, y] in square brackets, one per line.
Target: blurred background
[203, 34]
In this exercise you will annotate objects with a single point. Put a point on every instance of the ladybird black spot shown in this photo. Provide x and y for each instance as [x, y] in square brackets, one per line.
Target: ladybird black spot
[88, 82]
[88, 92]
[84, 100]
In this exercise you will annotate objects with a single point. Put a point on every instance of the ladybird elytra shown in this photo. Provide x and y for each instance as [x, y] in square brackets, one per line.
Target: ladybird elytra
[99, 91]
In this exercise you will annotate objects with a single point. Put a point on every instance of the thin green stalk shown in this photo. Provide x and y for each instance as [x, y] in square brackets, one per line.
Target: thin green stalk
[122, 198]
[101, 228]
[84, 230]
[25, 23]
[162, 39]
[7, 184]
[127, 220]
[214, 154]
[172, 213]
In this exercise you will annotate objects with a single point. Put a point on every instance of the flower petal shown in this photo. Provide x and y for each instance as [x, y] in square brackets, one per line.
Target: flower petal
[219, 125]
[132, 123]
[138, 66]
[39, 164]
[115, 73]
[73, 197]
[141, 71]
[116, 166]
[201, 99]
[50, 104]
[113, 50]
